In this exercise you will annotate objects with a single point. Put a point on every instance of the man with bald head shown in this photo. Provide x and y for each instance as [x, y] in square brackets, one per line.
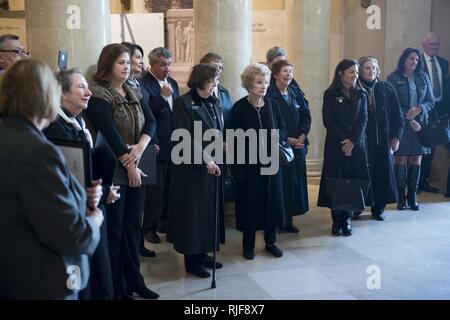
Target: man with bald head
[10, 51]
[438, 70]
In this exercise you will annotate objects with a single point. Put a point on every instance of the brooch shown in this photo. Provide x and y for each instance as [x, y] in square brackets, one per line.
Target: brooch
[340, 99]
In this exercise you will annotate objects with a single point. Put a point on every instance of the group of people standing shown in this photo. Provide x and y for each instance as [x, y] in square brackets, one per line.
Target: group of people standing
[371, 127]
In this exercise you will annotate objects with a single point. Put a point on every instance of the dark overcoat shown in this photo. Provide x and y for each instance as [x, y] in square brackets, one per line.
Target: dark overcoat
[192, 200]
[297, 120]
[344, 118]
[259, 198]
[385, 123]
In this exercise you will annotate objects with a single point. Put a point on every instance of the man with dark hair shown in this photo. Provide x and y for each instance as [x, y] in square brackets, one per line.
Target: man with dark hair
[162, 91]
[437, 69]
[10, 51]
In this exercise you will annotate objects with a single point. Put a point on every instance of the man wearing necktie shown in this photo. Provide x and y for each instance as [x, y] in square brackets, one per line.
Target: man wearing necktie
[437, 69]
[160, 90]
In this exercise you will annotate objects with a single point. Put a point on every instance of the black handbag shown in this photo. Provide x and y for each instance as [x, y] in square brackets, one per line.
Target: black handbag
[347, 194]
[286, 153]
[435, 133]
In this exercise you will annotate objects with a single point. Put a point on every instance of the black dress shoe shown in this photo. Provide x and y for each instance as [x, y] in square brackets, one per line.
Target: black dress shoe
[378, 217]
[356, 215]
[199, 271]
[146, 293]
[249, 254]
[209, 263]
[274, 250]
[147, 253]
[427, 188]
[152, 237]
[290, 228]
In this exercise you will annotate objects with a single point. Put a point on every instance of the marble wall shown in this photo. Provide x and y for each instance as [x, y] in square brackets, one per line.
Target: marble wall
[225, 27]
[81, 27]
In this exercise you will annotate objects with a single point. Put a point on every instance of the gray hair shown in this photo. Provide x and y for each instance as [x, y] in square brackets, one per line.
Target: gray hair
[64, 80]
[251, 71]
[275, 52]
[7, 37]
[157, 53]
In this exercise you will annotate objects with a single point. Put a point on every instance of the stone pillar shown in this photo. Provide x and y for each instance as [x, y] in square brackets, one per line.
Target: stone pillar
[407, 23]
[225, 27]
[82, 27]
[308, 48]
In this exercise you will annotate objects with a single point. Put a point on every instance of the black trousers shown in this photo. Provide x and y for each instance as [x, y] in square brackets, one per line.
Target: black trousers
[156, 200]
[427, 160]
[100, 285]
[425, 170]
[124, 234]
[191, 261]
[249, 237]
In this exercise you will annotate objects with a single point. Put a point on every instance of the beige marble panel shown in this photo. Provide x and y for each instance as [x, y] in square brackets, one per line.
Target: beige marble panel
[48, 30]
[308, 28]
[225, 27]
[407, 22]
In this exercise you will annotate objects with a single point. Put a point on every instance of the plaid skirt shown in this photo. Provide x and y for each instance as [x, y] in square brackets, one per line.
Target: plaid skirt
[410, 144]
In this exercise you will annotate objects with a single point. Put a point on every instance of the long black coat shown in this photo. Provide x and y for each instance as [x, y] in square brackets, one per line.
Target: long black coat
[344, 118]
[192, 202]
[297, 120]
[259, 199]
[385, 123]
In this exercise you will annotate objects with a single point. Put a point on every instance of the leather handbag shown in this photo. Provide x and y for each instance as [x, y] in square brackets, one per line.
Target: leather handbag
[347, 194]
[286, 153]
[435, 133]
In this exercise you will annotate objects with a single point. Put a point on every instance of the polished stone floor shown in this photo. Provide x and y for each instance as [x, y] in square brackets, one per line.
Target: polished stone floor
[405, 257]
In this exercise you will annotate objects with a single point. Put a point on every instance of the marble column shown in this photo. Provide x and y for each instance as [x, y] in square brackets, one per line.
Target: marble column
[82, 27]
[308, 47]
[225, 27]
[407, 23]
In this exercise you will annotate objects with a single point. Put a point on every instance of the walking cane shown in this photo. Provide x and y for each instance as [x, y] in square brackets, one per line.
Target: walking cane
[216, 218]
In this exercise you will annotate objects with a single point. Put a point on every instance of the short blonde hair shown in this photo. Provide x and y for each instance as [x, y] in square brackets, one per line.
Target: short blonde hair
[364, 60]
[29, 89]
[251, 71]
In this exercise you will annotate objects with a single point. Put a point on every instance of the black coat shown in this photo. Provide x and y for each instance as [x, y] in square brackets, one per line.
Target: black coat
[344, 118]
[259, 198]
[43, 226]
[225, 103]
[297, 120]
[151, 89]
[385, 123]
[192, 202]
[100, 285]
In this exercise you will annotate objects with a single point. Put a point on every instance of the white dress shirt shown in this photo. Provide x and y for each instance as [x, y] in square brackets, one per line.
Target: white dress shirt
[161, 84]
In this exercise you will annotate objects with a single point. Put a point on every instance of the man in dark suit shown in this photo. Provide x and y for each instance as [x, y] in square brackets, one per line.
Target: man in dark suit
[437, 69]
[161, 91]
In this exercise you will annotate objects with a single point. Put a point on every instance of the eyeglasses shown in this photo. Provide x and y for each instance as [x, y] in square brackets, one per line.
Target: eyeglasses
[18, 52]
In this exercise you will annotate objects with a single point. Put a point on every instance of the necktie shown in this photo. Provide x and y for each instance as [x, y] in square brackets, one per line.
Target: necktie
[436, 84]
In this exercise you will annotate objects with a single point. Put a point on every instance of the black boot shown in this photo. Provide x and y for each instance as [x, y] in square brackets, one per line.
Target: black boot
[346, 223]
[413, 184]
[336, 228]
[400, 178]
